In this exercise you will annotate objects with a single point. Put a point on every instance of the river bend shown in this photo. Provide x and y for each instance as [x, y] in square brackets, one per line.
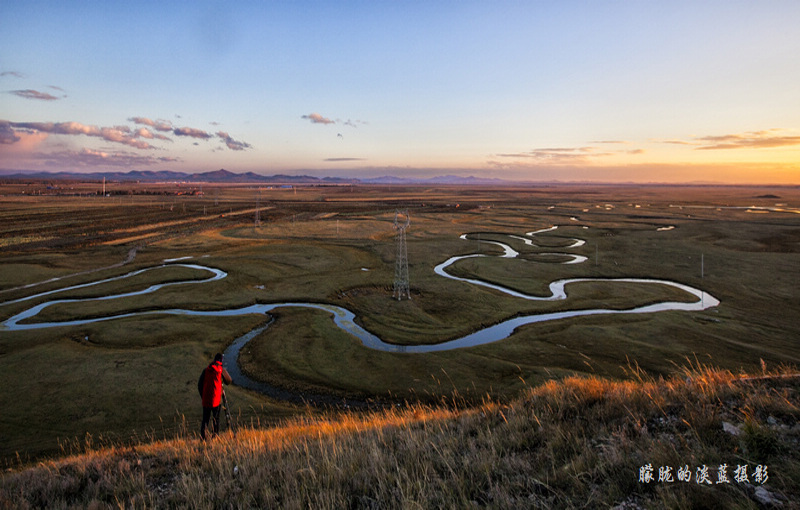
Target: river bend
[346, 320]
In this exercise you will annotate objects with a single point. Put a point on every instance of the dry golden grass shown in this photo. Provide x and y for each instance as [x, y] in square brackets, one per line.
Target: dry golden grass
[578, 443]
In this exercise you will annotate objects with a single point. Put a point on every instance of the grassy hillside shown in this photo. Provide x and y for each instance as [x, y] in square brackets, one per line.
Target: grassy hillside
[580, 442]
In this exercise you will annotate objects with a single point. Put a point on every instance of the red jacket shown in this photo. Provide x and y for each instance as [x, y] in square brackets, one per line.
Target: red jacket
[213, 378]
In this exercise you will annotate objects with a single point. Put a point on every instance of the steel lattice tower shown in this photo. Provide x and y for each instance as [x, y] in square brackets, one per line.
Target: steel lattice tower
[401, 288]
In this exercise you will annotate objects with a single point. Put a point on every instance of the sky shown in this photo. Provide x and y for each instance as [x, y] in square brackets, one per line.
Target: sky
[606, 91]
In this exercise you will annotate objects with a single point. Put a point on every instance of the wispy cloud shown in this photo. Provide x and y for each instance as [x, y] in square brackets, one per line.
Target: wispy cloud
[91, 158]
[158, 125]
[15, 74]
[352, 123]
[34, 94]
[557, 155]
[766, 139]
[678, 142]
[316, 118]
[231, 143]
[192, 132]
[750, 140]
[564, 156]
[335, 160]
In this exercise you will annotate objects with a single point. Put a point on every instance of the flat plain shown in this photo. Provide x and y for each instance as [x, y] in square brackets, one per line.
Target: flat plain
[134, 377]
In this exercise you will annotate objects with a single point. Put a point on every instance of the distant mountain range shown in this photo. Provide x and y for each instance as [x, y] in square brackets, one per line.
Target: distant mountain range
[442, 179]
[224, 176]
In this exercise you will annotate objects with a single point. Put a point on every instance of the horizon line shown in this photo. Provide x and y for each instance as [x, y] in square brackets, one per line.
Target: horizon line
[470, 180]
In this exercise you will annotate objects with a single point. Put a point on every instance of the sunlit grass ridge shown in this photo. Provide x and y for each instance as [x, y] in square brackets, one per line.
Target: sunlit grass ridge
[581, 441]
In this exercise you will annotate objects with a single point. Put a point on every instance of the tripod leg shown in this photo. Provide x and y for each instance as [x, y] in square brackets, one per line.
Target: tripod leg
[227, 411]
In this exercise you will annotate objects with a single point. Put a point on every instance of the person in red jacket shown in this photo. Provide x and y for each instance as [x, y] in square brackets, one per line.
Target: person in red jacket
[210, 387]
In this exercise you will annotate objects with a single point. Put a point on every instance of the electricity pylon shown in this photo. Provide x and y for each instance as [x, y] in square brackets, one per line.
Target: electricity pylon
[401, 288]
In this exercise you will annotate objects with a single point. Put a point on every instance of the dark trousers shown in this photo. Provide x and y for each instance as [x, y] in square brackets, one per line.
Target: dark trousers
[208, 413]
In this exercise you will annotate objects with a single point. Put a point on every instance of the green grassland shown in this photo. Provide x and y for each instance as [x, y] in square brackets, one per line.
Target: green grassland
[134, 376]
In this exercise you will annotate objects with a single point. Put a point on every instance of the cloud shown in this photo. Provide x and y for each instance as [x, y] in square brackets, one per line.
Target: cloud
[557, 155]
[137, 137]
[765, 139]
[192, 132]
[122, 135]
[316, 118]
[564, 155]
[117, 134]
[352, 123]
[158, 125]
[343, 159]
[146, 133]
[750, 140]
[15, 74]
[7, 134]
[34, 94]
[90, 157]
[18, 141]
[678, 142]
[231, 143]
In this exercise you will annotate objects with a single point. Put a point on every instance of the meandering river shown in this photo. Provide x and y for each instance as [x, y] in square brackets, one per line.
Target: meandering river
[346, 320]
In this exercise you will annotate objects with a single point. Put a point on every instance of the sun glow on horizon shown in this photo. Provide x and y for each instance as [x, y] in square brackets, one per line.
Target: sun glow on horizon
[567, 91]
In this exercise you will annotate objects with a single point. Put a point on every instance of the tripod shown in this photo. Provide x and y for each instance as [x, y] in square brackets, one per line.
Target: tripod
[225, 406]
